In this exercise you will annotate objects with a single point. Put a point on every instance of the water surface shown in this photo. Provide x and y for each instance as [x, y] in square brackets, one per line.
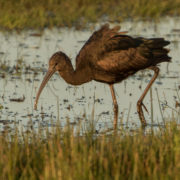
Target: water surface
[24, 61]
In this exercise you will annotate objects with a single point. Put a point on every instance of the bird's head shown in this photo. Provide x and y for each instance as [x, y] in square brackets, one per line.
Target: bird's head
[57, 62]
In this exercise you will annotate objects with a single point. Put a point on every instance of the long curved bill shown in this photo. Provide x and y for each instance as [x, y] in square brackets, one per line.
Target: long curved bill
[44, 82]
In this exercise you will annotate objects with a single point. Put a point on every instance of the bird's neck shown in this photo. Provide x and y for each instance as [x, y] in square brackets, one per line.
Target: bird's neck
[77, 76]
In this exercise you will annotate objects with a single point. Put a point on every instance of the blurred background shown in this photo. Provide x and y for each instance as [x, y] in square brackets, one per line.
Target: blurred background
[20, 14]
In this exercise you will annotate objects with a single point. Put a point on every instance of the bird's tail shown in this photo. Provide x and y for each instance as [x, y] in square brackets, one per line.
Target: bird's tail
[157, 47]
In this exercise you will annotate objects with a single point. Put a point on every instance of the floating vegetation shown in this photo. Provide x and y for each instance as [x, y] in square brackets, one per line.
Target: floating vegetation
[21, 99]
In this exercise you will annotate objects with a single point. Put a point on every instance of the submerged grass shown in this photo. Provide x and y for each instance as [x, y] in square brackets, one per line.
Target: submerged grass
[22, 14]
[62, 154]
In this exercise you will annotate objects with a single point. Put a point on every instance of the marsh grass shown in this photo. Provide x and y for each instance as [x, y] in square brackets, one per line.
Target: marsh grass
[20, 14]
[63, 154]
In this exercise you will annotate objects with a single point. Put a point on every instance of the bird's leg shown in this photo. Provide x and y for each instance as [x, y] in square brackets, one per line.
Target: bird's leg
[139, 103]
[115, 106]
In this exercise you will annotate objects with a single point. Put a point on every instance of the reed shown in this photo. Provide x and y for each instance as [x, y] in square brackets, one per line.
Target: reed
[69, 154]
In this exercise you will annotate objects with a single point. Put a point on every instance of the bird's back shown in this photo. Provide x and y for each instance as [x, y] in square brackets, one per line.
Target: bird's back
[94, 47]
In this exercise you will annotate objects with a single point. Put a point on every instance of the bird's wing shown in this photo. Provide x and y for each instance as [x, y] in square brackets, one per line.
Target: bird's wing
[112, 50]
[133, 55]
[124, 61]
[100, 42]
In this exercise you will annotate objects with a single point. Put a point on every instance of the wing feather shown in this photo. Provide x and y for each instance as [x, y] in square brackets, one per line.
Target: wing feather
[119, 62]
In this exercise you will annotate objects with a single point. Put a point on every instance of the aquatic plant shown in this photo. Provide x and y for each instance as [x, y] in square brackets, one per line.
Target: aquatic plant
[69, 154]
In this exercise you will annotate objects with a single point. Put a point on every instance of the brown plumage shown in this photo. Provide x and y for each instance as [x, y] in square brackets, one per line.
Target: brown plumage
[110, 56]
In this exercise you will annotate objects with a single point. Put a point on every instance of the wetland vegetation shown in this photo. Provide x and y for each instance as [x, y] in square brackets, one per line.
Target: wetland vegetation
[70, 136]
[70, 154]
[23, 14]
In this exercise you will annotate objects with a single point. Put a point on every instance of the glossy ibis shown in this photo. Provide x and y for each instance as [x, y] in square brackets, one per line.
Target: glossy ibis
[110, 56]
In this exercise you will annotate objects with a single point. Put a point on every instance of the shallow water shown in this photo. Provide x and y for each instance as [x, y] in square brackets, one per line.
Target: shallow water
[60, 101]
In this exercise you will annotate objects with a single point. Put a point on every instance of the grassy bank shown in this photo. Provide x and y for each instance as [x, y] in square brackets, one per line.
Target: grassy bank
[63, 155]
[22, 14]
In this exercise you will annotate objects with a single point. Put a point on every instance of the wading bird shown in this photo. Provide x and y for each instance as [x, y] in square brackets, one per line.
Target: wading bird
[110, 56]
